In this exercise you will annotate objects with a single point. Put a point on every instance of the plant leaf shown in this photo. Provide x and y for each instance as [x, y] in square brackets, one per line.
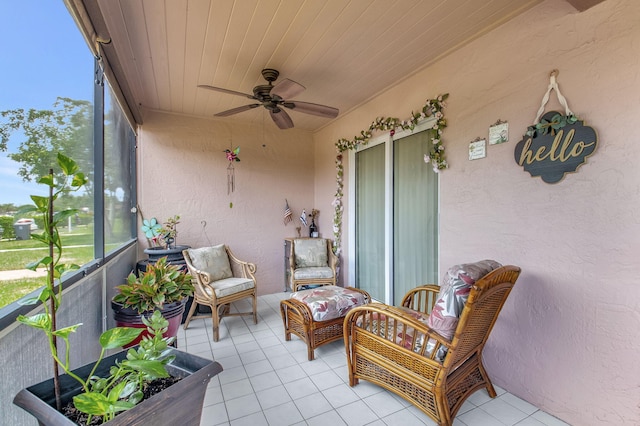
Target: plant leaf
[66, 331]
[79, 179]
[61, 216]
[119, 336]
[97, 404]
[41, 203]
[46, 180]
[128, 390]
[136, 397]
[67, 165]
[34, 265]
[41, 321]
[152, 368]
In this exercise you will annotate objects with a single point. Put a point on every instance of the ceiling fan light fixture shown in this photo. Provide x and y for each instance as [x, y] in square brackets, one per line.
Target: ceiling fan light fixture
[273, 97]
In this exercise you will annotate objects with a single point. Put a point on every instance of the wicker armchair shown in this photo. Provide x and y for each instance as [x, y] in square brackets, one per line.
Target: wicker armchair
[394, 348]
[312, 262]
[219, 279]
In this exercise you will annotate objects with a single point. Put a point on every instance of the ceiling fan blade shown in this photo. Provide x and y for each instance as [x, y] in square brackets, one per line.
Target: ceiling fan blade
[236, 110]
[230, 92]
[287, 89]
[281, 118]
[314, 109]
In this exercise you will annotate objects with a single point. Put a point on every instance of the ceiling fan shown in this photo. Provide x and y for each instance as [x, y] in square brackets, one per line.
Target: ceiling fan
[274, 98]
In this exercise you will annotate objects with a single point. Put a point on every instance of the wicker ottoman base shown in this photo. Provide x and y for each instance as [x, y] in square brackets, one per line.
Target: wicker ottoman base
[298, 319]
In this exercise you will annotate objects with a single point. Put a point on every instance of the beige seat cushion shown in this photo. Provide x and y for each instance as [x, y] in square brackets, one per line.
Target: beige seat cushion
[313, 272]
[229, 286]
[212, 260]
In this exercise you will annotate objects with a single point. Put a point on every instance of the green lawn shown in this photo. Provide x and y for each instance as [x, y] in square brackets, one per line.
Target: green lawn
[79, 237]
[17, 259]
[12, 290]
[15, 254]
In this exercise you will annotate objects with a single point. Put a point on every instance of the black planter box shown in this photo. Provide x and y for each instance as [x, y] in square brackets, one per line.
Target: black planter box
[180, 404]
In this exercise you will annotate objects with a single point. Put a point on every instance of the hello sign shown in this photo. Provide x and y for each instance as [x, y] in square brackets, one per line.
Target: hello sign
[555, 146]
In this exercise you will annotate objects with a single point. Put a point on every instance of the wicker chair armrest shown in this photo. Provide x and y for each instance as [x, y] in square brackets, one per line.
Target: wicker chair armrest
[248, 269]
[332, 259]
[299, 308]
[368, 318]
[421, 298]
[200, 281]
[200, 277]
[292, 259]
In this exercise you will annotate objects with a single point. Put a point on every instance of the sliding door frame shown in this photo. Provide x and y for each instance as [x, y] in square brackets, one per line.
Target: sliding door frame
[386, 139]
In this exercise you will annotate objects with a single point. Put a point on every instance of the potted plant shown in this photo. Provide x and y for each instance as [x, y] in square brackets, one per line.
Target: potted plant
[148, 385]
[113, 384]
[162, 243]
[162, 240]
[163, 286]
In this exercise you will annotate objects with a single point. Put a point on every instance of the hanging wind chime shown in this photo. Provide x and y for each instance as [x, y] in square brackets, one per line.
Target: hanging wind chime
[232, 156]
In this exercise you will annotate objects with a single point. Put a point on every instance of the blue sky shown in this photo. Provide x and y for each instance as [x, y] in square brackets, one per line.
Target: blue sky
[42, 56]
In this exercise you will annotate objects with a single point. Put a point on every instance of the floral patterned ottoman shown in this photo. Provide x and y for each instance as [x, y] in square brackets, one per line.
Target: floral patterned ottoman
[316, 315]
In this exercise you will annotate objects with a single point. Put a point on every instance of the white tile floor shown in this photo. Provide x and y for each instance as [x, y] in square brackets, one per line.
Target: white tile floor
[268, 381]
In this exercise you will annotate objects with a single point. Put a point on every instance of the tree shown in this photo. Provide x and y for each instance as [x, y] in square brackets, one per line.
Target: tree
[7, 208]
[66, 128]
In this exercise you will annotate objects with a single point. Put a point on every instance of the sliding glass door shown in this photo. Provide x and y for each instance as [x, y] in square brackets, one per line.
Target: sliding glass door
[415, 215]
[396, 216]
[370, 202]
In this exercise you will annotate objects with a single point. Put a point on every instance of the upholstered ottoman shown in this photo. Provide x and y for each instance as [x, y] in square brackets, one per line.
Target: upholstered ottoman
[316, 315]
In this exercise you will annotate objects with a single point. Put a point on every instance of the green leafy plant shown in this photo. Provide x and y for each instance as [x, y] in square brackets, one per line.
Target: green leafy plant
[164, 235]
[558, 121]
[124, 387]
[119, 391]
[72, 180]
[161, 283]
[169, 231]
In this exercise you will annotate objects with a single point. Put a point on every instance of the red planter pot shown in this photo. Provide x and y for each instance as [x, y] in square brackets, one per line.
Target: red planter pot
[127, 317]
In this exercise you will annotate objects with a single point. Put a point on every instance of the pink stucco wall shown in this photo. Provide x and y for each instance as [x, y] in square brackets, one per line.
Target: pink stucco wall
[183, 170]
[568, 338]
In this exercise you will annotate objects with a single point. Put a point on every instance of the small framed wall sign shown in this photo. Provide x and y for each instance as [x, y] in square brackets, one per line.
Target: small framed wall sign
[477, 149]
[498, 132]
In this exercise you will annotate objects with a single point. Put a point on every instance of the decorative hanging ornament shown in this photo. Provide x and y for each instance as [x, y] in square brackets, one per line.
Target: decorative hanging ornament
[555, 144]
[232, 156]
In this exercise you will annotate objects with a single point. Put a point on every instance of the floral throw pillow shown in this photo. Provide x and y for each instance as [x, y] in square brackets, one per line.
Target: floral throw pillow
[454, 292]
[212, 260]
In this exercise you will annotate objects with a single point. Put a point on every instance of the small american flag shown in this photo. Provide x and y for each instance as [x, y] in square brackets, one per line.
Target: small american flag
[288, 216]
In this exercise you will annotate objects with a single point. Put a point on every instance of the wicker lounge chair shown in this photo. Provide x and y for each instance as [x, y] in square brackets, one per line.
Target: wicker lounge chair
[312, 263]
[393, 347]
[219, 279]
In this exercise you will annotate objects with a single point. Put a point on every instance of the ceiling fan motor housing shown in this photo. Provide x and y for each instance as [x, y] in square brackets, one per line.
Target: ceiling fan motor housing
[270, 74]
[263, 92]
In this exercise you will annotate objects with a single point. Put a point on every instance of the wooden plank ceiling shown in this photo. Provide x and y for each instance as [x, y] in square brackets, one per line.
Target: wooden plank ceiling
[343, 52]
